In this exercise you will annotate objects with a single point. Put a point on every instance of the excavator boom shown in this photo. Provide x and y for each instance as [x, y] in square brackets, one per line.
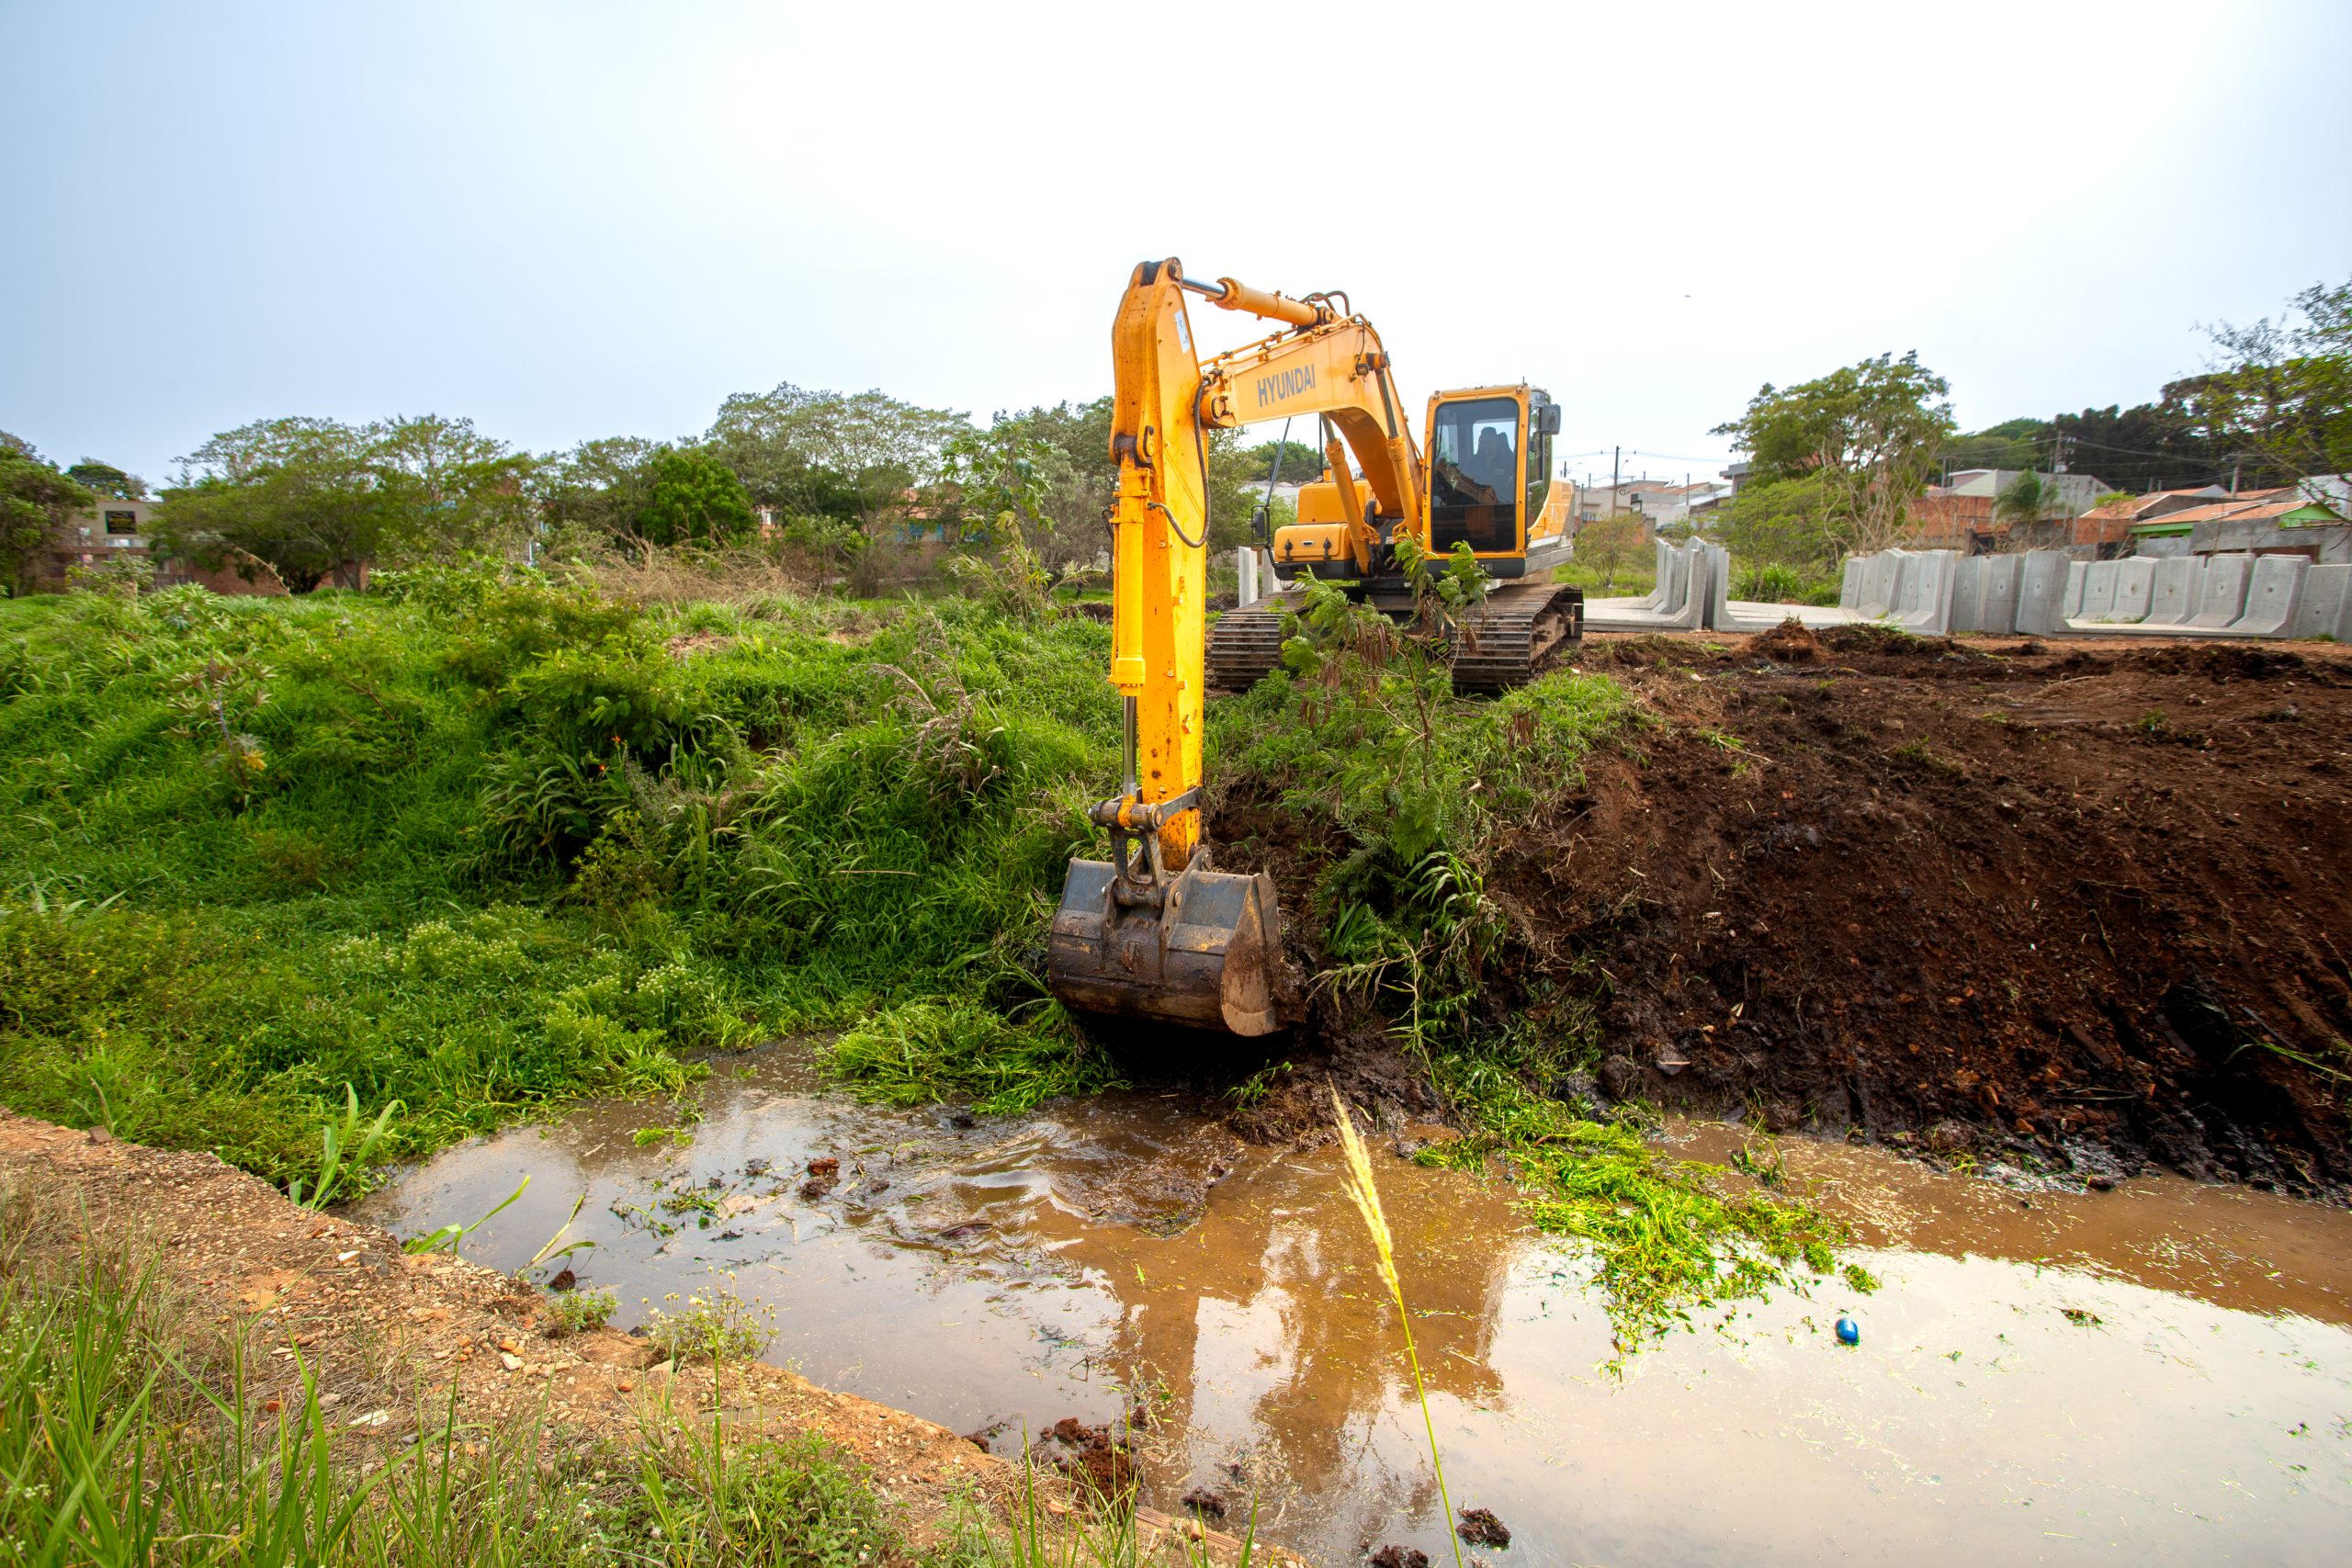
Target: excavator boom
[1156, 932]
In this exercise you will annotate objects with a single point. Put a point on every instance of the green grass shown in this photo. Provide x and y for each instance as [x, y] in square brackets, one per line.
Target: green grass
[505, 849]
[131, 1434]
[476, 847]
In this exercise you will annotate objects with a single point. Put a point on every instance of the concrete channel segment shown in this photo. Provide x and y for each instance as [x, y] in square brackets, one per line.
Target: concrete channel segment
[2043, 589]
[2135, 584]
[2221, 597]
[1678, 602]
[2038, 593]
[2098, 593]
[2327, 597]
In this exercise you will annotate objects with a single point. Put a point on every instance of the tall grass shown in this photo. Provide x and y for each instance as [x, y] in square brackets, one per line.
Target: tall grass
[484, 844]
[1364, 1193]
[509, 843]
[133, 1435]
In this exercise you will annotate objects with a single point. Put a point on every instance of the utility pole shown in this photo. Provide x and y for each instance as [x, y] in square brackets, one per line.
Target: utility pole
[2233, 475]
[1614, 453]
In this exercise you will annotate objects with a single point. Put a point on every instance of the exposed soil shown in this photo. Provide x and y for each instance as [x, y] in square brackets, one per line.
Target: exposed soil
[387, 1334]
[2081, 907]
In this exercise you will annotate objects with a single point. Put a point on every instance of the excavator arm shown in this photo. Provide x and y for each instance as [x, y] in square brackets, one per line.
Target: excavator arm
[1156, 932]
[1332, 366]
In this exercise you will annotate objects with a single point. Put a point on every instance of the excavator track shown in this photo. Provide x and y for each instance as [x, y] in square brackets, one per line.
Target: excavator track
[1518, 633]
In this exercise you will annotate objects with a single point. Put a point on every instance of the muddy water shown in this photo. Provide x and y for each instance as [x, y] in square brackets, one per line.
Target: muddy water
[2159, 1373]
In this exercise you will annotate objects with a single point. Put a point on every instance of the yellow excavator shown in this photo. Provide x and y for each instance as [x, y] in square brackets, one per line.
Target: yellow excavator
[1156, 932]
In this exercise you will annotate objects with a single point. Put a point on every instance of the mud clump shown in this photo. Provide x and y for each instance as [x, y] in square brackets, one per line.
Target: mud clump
[1399, 1557]
[824, 1175]
[1480, 1527]
[1093, 1455]
[1791, 642]
[1205, 1503]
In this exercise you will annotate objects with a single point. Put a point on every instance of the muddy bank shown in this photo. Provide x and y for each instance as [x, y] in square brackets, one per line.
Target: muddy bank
[387, 1334]
[2079, 909]
[1119, 1270]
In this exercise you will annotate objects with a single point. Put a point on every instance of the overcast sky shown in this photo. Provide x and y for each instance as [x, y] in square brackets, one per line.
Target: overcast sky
[581, 220]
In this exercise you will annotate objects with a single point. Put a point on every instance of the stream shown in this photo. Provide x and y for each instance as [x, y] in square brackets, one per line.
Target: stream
[2156, 1374]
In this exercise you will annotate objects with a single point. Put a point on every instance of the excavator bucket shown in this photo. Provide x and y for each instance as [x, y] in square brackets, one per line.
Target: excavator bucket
[1202, 954]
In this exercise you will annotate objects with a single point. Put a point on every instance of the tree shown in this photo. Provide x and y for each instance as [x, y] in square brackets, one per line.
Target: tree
[308, 495]
[450, 489]
[599, 487]
[1301, 462]
[1783, 522]
[2158, 445]
[1605, 543]
[107, 480]
[2012, 444]
[35, 502]
[1871, 431]
[304, 495]
[692, 498]
[2283, 396]
[2028, 500]
[1069, 446]
[877, 446]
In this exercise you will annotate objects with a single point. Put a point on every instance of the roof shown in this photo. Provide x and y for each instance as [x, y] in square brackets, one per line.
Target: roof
[2239, 510]
[2139, 505]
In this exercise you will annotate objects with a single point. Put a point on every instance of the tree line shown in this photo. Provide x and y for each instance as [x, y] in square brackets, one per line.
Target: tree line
[844, 482]
[1837, 462]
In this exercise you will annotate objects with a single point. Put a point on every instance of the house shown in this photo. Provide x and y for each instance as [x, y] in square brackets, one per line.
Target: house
[123, 530]
[2107, 530]
[2282, 522]
[1963, 523]
[1660, 502]
[114, 530]
[2070, 495]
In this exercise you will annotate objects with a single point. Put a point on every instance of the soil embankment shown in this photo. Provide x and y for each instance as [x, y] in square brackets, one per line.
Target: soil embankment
[388, 1334]
[2084, 908]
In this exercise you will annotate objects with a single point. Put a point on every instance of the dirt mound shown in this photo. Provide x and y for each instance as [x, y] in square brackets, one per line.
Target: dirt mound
[2077, 907]
[1791, 642]
[2095, 901]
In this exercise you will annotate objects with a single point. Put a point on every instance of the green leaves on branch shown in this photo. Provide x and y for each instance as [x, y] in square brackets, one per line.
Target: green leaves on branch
[1870, 432]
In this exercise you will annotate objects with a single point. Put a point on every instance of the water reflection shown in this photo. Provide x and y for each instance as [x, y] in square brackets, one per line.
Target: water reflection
[2058, 1376]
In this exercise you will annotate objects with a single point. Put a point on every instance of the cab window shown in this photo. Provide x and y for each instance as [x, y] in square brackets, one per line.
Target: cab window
[1474, 474]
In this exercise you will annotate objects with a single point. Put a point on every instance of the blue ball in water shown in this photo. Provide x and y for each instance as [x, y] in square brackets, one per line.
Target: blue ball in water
[1848, 1331]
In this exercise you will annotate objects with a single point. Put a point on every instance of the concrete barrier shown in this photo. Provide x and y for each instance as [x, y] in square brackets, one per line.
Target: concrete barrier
[2327, 592]
[2174, 599]
[1678, 602]
[2273, 589]
[2077, 574]
[2098, 592]
[2043, 592]
[1996, 595]
[2221, 594]
[1924, 589]
[2135, 582]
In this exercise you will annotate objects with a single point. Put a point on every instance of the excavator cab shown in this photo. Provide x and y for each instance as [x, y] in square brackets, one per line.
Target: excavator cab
[1490, 486]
